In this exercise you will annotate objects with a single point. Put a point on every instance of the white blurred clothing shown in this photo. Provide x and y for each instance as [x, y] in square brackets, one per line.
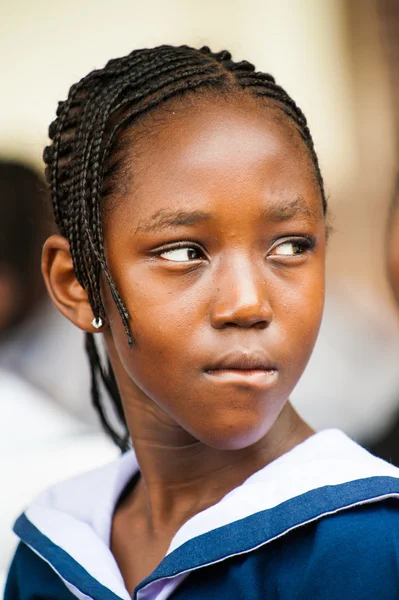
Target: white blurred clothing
[40, 444]
[30, 418]
[48, 351]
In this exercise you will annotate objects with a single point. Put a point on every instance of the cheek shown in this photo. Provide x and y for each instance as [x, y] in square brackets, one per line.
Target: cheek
[299, 312]
[163, 318]
[162, 324]
[306, 307]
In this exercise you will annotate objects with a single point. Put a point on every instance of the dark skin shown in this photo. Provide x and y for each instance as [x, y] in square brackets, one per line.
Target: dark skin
[217, 247]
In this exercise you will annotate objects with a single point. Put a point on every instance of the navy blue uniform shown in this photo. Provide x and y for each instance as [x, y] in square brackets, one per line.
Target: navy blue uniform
[335, 540]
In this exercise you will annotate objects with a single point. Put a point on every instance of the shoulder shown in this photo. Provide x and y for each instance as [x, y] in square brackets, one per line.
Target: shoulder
[346, 555]
[350, 554]
[374, 523]
[31, 578]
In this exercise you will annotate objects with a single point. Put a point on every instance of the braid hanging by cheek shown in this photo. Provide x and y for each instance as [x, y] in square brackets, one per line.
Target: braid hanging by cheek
[109, 382]
[84, 140]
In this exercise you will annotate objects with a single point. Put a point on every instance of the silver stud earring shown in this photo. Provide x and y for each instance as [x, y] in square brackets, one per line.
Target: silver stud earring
[97, 323]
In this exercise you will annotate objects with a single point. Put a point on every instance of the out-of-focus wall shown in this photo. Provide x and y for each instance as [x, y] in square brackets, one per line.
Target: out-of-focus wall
[46, 46]
[356, 253]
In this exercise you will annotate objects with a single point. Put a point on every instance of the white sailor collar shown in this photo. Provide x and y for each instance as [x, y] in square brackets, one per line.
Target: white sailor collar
[69, 525]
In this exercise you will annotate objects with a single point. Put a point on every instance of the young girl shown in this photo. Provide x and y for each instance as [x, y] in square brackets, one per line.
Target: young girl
[192, 220]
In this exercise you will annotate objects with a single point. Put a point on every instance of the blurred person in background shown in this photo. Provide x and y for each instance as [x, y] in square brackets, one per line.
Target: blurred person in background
[392, 246]
[352, 379]
[387, 446]
[23, 220]
[35, 433]
[35, 343]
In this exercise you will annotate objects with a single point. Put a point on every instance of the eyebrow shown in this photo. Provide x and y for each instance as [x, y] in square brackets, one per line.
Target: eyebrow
[278, 212]
[172, 218]
[288, 209]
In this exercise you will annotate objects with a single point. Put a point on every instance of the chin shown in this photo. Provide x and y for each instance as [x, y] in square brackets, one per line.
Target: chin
[235, 436]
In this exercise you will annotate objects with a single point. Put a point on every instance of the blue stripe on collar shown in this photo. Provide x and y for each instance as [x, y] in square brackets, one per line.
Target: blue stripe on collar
[61, 561]
[260, 528]
[239, 537]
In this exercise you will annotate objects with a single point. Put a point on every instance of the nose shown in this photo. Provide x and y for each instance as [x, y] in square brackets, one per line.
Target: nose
[241, 298]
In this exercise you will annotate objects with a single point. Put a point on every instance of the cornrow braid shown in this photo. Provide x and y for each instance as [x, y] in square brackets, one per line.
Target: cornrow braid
[84, 138]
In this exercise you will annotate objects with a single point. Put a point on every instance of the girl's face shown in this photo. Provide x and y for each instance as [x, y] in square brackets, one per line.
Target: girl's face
[217, 248]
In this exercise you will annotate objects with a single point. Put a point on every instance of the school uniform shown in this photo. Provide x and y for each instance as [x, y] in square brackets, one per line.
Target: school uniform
[321, 521]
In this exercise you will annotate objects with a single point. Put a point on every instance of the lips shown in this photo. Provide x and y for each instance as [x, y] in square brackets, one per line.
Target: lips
[242, 361]
[245, 370]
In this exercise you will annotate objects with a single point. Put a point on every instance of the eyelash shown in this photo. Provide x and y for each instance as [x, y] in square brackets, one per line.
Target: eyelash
[307, 243]
[180, 245]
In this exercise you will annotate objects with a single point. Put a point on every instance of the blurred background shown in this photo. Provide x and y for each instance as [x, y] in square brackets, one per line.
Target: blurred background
[339, 59]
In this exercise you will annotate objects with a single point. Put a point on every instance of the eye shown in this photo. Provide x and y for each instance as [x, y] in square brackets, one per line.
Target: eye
[293, 247]
[182, 254]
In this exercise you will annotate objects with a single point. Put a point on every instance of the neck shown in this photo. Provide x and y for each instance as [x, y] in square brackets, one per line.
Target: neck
[180, 476]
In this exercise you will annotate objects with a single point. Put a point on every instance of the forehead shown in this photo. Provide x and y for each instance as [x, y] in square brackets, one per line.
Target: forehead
[229, 148]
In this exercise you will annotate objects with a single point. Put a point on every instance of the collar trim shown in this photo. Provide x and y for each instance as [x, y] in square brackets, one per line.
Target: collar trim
[70, 571]
[239, 537]
[261, 528]
[70, 524]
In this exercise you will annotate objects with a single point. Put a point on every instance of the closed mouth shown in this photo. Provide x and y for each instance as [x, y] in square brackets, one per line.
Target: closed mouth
[242, 363]
[243, 368]
[244, 372]
[256, 378]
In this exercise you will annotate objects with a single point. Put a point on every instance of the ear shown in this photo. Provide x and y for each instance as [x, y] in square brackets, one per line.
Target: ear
[64, 289]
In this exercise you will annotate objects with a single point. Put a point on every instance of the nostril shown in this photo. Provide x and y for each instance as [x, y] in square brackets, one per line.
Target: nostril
[261, 324]
[246, 323]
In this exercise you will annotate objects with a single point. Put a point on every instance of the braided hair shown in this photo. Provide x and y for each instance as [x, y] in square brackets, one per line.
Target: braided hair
[84, 139]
